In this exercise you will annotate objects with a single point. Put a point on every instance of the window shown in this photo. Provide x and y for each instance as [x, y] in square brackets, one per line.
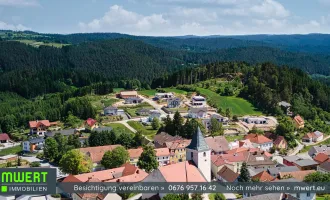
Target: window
[191, 154]
[204, 154]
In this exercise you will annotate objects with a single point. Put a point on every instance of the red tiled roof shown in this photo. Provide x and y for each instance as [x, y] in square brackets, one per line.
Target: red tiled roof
[96, 153]
[4, 136]
[308, 136]
[36, 124]
[321, 157]
[178, 144]
[162, 152]
[263, 177]
[257, 139]
[181, 172]
[278, 140]
[90, 121]
[135, 153]
[298, 119]
[228, 174]
[222, 159]
[299, 175]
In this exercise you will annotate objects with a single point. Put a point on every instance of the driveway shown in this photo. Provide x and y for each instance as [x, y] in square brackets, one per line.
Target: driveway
[297, 149]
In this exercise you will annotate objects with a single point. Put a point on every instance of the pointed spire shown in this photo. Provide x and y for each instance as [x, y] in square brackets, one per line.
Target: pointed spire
[198, 142]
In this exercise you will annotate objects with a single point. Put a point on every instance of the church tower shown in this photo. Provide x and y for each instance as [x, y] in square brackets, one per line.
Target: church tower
[199, 152]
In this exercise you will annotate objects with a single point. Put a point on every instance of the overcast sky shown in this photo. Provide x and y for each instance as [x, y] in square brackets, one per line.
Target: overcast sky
[167, 17]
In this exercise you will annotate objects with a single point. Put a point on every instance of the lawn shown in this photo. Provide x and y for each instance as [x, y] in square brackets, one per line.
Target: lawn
[11, 150]
[37, 44]
[119, 126]
[99, 102]
[150, 93]
[131, 110]
[146, 130]
[232, 138]
[238, 106]
[116, 90]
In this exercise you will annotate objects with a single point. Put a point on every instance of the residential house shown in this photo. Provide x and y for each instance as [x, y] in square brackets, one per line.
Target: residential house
[154, 114]
[40, 127]
[275, 171]
[198, 101]
[163, 156]
[298, 175]
[324, 167]
[33, 144]
[263, 176]
[177, 150]
[183, 172]
[314, 150]
[161, 139]
[306, 164]
[286, 106]
[227, 175]
[133, 100]
[207, 121]
[259, 159]
[240, 144]
[299, 122]
[197, 112]
[321, 158]
[290, 160]
[4, 138]
[278, 140]
[143, 111]
[134, 155]
[218, 144]
[110, 111]
[96, 154]
[232, 161]
[250, 150]
[313, 137]
[125, 173]
[167, 95]
[253, 171]
[90, 124]
[260, 141]
[128, 94]
[255, 120]
[173, 102]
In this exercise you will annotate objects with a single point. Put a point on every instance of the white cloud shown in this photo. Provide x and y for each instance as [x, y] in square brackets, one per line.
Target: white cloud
[270, 8]
[19, 3]
[193, 14]
[19, 27]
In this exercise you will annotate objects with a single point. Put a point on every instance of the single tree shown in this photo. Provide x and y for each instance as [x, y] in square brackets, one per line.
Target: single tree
[216, 127]
[245, 174]
[138, 139]
[148, 160]
[73, 140]
[155, 123]
[115, 158]
[177, 123]
[51, 149]
[228, 112]
[168, 128]
[125, 139]
[219, 196]
[75, 162]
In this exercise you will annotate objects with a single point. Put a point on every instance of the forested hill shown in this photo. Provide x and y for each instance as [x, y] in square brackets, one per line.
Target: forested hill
[31, 71]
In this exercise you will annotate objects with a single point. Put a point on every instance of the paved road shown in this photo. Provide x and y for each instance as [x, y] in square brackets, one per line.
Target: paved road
[127, 125]
[297, 149]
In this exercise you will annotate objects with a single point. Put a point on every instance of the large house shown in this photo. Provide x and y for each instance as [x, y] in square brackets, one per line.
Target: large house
[162, 138]
[125, 173]
[33, 144]
[260, 141]
[314, 150]
[173, 102]
[128, 94]
[197, 112]
[218, 144]
[110, 110]
[96, 154]
[177, 150]
[299, 122]
[4, 138]
[232, 161]
[324, 167]
[306, 164]
[162, 154]
[220, 118]
[290, 160]
[259, 159]
[164, 95]
[275, 171]
[40, 127]
[313, 137]
[255, 120]
[198, 101]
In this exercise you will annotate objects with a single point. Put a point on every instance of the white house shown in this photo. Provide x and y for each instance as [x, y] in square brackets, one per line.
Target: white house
[313, 137]
[255, 120]
[163, 156]
[164, 95]
[197, 112]
[198, 101]
[33, 144]
[260, 141]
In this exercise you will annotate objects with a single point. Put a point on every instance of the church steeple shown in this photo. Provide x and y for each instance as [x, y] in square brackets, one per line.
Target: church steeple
[199, 152]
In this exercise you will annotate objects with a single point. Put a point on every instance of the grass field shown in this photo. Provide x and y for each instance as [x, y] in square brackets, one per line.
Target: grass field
[37, 44]
[146, 130]
[150, 93]
[232, 138]
[119, 126]
[238, 106]
[11, 150]
[116, 90]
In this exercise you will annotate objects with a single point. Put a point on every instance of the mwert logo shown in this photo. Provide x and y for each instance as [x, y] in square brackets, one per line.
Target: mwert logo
[27, 180]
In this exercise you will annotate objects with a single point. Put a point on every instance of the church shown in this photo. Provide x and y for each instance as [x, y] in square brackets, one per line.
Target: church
[196, 168]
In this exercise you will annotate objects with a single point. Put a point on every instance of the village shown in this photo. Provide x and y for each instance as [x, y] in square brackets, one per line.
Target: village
[227, 145]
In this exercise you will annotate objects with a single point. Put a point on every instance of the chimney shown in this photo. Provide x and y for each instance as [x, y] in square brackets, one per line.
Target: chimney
[138, 171]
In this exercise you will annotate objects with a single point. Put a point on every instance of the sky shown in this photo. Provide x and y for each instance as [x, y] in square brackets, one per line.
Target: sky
[167, 17]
